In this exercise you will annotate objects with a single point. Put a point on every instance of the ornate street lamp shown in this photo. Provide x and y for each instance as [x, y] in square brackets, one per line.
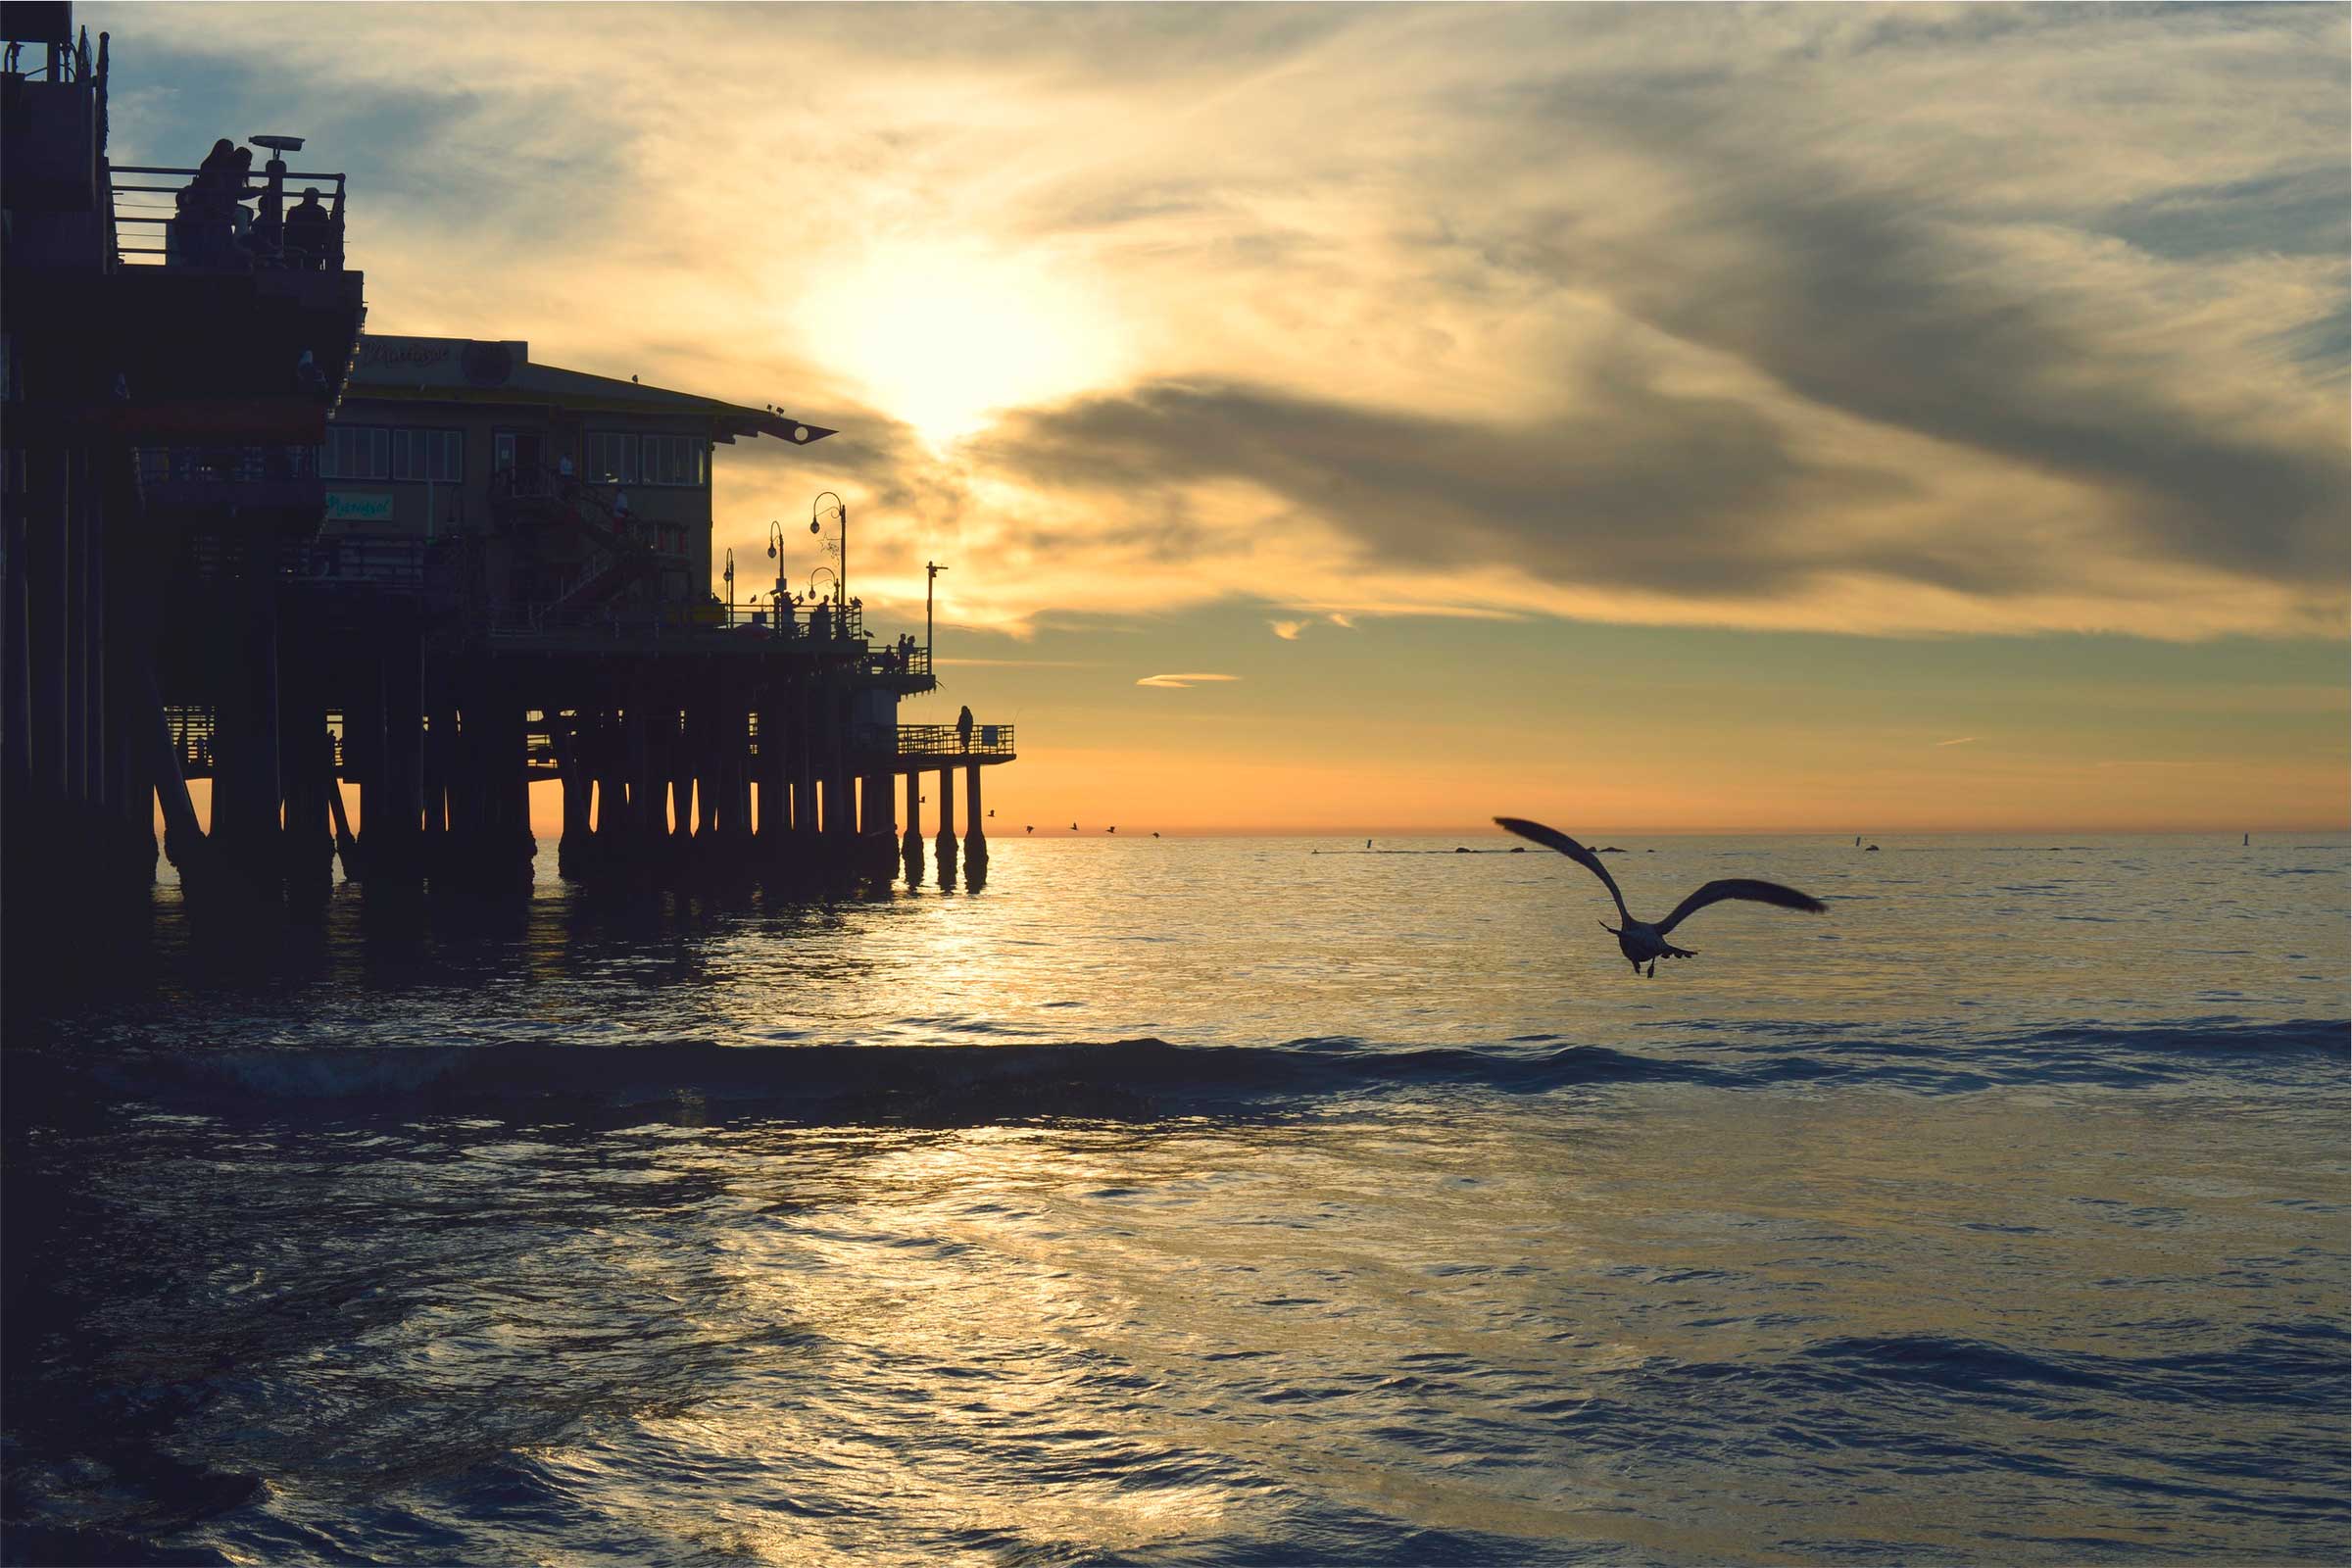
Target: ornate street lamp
[841, 547]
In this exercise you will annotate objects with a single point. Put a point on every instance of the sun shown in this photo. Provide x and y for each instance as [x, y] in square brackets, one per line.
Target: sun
[943, 337]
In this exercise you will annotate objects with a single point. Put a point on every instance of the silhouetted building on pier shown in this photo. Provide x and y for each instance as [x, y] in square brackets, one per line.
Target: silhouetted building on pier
[245, 543]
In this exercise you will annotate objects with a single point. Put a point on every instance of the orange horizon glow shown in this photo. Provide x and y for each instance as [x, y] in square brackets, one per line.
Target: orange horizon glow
[547, 822]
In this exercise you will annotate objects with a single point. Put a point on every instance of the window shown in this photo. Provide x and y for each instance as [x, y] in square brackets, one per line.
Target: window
[611, 456]
[623, 456]
[356, 452]
[671, 460]
[435, 455]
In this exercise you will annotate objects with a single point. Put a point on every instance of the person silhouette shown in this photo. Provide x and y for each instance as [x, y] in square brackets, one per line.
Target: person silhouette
[963, 730]
[308, 231]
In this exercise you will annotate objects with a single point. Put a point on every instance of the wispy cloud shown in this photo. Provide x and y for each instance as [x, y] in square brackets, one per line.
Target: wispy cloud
[1181, 682]
[1288, 630]
[1965, 740]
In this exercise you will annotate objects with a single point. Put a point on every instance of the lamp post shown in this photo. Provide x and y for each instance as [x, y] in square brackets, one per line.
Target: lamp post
[730, 575]
[931, 571]
[817, 512]
[775, 553]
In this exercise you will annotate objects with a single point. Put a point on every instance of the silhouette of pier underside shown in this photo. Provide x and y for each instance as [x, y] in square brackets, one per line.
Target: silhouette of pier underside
[682, 753]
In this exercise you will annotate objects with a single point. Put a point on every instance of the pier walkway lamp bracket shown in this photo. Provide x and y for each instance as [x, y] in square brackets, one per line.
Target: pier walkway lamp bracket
[840, 547]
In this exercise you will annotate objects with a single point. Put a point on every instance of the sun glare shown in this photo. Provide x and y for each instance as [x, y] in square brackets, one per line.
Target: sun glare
[941, 338]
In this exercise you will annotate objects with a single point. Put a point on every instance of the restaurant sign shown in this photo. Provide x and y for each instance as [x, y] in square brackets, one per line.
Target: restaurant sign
[357, 505]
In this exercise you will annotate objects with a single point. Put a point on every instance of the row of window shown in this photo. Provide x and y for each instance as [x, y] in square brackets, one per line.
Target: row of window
[613, 457]
[624, 457]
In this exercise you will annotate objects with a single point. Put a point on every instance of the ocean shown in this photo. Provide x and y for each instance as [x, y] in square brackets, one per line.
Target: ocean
[1210, 1202]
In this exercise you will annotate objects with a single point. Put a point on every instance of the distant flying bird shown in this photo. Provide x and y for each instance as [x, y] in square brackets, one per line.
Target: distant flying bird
[1111, 830]
[1073, 827]
[1641, 941]
[1031, 828]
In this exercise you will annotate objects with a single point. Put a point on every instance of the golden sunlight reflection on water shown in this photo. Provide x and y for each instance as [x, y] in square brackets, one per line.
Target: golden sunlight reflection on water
[1997, 1211]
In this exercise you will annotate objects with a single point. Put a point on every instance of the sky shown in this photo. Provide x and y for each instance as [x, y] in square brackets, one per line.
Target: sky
[1374, 419]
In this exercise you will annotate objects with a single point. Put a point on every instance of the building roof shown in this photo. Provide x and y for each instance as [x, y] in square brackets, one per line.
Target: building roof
[462, 370]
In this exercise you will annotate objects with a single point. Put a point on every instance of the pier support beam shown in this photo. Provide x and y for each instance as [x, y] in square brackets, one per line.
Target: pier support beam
[306, 769]
[975, 842]
[246, 782]
[910, 848]
[575, 847]
[804, 841]
[944, 844]
[877, 855]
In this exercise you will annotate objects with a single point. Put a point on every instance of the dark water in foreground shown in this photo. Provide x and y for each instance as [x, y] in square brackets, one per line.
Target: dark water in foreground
[1213, 1203]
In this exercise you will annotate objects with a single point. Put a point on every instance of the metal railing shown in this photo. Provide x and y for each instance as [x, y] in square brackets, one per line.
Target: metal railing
[210, 229]
[191, 732]
[388, 563]
[194, 726]
[61, 63]
[245, 464]
[944, 741]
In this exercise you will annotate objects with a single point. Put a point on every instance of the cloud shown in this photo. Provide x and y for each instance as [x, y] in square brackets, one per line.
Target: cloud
[1965, 740]
[1288, 630]
[1182, 682]
[1855, 319]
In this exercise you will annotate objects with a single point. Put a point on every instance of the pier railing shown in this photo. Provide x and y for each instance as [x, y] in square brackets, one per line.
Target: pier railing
[943, 741]
[192, 726]
[241, 465]
[845, 630]
[184, 225]
[386, 562]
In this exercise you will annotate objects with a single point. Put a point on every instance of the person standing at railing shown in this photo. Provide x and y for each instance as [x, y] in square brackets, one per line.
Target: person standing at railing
[963, 729]
[308, 229]
[199, 236]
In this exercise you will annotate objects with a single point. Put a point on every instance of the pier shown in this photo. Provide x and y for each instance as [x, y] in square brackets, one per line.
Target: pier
[366, 589]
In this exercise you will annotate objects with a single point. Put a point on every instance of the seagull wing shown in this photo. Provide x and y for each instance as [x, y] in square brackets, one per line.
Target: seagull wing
[1553, 839]
[1739, 887]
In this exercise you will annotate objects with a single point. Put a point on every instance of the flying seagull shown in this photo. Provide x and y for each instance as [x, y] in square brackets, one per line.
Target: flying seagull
[1641, 941]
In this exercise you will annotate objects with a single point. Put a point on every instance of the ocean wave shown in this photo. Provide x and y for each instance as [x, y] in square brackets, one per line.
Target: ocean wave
[1149, 1078]
[925, 1085]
